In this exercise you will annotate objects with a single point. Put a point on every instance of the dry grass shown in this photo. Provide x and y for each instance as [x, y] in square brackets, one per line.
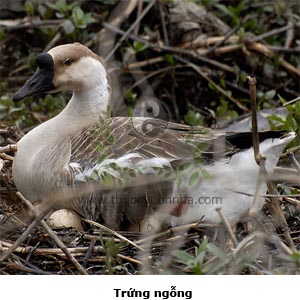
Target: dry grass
[258, 248]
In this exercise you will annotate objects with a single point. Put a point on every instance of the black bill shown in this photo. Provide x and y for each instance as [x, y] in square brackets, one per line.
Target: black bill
[41, 81]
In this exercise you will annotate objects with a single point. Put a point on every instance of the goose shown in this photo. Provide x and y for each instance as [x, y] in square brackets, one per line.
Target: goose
[83, 144]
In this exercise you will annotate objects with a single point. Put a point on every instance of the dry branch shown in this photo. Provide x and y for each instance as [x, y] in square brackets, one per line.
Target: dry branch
[53, 236]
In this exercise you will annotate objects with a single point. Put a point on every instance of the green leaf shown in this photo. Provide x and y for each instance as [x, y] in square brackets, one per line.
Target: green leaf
[120, 182]
[217, 251]
[205, 174]
[199, 259]
[296, 257]
[77, 13]
[297, 108]
[202, 146]
[197, 270]
[179, 182]
[194, 178]
[198, 159]
[169, 58]
[184, 166]
[68, 27]
[203, 245]
[94, 175]
[193, 118]
[291, 123]
[183, 257]
[29, 7]
[269, 95]
[282, 100]
[107, 178]
[61, 7]
[276, 118]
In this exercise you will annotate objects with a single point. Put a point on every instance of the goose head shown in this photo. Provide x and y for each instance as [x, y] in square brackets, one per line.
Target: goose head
[69, 67]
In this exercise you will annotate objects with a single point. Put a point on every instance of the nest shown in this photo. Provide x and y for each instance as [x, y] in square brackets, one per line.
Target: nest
[190, 249]
[189, 51]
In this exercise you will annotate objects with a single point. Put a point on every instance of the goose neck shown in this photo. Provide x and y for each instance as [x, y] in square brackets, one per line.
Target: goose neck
[87, 106]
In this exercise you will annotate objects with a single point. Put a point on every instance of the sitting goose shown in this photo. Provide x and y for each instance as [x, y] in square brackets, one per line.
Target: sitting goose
[82, 143]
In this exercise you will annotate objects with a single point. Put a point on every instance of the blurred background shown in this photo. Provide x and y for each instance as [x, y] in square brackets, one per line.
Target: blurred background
[189, 58]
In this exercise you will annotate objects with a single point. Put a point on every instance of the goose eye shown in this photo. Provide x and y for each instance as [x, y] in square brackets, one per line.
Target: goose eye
[68, 61]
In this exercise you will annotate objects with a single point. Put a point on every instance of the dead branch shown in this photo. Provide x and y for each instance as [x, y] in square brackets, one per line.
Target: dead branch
[53, 236]
[114, 233]
[8, 148]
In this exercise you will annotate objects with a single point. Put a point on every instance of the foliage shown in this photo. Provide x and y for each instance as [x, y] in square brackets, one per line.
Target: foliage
[193, 263]
[291, 122]
[80, 22]
[190, 96]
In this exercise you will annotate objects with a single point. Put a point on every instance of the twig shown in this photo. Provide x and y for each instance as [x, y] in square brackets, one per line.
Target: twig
[21, 267]
[30, 23]
[6, 156]
[227, 36]
[291, 200]
[280, 221]
[114, 233]
[293, 159]
[220, 89]
[255, 139]
[131, 28]
[226, 49]
[273, 238]
[51, 251]
[193, 54]
[144, 63]
[260, 180]
[130, 259]
[283, 50]
[268, 53]
[250, 240]
[52, 234]
[154, 73]
[8, 187]
[89, 253]
[263, 174]
[227, 226]
[272, 32]
[25, 234]
[139, 11]
[280, 245]
[172, 231]
[291, 102]
[209, 41]
[289, 67]
[163, 23]
[8, 148]
[97, 238]
[53, 41]
[2, 164]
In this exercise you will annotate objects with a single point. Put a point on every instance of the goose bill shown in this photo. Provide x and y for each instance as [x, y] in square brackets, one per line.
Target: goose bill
[40, 82]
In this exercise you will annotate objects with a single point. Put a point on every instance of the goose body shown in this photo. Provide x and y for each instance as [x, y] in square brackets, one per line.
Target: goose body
[83, 142]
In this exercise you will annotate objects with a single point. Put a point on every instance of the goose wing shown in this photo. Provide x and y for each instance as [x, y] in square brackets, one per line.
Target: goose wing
[148, 138]
[122, 149]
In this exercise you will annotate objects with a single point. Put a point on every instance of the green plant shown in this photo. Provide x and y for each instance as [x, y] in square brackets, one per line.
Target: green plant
[290, 122]
[223, 112]
[194, 118]
[193, 264]
[76, 17]
[112, 250]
